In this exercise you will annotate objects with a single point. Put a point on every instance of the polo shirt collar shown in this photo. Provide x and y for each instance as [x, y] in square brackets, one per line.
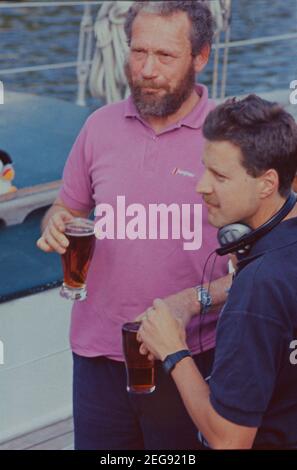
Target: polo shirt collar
[283, 234]
[194, 119]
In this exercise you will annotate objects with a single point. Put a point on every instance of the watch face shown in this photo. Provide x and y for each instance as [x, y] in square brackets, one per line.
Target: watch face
[204, 297]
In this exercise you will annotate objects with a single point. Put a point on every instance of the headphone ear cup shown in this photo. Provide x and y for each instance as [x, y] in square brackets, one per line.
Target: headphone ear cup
[232, 233]
[239, 237]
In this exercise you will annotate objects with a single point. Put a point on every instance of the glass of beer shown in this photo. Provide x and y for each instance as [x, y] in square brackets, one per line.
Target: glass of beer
[76, 260]
[140, 370]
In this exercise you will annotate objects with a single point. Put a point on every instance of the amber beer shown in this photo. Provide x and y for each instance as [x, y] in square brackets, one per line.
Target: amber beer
[77, 259]
[140, 370]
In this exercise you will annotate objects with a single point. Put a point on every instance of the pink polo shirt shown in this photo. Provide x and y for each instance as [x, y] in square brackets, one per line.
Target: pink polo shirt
[119, 154]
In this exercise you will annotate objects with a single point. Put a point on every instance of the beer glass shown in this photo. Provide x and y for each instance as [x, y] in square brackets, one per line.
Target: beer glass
[140, 370]
[76, 260]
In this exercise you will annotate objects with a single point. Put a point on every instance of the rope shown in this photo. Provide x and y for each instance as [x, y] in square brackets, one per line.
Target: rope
[107, 78]
[84, 54]
[221, 12]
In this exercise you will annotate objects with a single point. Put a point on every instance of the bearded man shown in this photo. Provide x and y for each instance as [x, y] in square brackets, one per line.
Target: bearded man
[148, 149]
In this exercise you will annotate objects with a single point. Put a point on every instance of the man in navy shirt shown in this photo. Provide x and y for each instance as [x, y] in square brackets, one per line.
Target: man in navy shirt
[250, 400]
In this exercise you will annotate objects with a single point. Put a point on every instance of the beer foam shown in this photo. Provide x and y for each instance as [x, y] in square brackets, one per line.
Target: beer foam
[79, 234]
[80, 228]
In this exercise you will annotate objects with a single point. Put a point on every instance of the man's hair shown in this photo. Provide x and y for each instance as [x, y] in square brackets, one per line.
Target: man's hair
[265, 133]
[198, 13]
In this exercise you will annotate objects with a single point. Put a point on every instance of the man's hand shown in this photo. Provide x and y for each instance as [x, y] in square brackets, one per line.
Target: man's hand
[160, 332]
[53, 238]
[180, 306]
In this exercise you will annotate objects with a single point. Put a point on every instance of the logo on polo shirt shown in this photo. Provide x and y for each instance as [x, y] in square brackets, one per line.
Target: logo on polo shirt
[157, 222]
[178, 171]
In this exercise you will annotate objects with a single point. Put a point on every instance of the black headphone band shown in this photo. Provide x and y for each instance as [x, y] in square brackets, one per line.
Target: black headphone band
[253, 235]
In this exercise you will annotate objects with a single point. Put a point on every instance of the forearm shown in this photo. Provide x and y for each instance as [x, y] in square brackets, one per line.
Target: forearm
[163, 335]
[195, 394]
[219, 290]
[186, 305]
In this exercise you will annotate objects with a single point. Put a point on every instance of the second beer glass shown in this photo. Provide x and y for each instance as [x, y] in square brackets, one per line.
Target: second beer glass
[140, 370]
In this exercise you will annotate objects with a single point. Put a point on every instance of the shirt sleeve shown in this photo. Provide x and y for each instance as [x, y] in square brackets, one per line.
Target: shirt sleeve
[76, 190]
[246, 365]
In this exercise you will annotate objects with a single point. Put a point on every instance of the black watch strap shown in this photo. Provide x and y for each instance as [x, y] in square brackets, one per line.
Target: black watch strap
[172, 359]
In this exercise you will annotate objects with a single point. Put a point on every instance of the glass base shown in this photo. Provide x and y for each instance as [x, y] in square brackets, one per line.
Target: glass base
[141, 392]
[73, 293]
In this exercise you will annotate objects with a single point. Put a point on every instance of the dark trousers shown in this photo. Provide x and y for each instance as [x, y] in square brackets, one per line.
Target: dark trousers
[107, 417]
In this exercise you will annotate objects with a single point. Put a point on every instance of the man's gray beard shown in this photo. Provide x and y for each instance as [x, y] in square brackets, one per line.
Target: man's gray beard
[167, 104]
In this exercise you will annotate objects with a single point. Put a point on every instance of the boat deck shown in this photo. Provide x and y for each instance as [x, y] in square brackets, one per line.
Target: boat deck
[58, 436]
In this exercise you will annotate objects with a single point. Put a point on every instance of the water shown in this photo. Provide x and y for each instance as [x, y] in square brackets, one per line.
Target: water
[50, 35]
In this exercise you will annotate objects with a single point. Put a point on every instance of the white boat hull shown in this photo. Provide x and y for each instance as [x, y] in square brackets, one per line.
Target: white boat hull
[36, 376]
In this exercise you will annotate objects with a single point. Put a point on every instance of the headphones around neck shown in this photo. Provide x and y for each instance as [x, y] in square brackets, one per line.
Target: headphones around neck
[238, 237]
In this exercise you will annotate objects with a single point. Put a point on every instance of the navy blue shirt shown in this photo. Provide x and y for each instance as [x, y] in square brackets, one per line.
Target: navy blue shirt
[254, 380]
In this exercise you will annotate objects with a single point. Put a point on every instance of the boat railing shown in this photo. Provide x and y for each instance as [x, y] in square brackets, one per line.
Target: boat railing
[84, 60]
[16, 206]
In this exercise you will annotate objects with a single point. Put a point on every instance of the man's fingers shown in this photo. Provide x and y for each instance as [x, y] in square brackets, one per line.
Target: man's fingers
[143, 350]
[59, 236]
[42, 245]
[48, 244]
[60, 219]
[53, 238]
[145, 315]
[138, 337]
[54, 244]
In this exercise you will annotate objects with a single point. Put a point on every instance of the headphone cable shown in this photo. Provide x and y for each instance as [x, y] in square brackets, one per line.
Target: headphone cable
[203, 310]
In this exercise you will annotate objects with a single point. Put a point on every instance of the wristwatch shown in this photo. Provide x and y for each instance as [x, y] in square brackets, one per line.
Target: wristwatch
[204, 298]
[172, 359]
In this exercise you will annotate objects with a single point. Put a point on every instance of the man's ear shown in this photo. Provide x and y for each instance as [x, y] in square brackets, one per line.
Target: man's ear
[269, 183]
[201, 59]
